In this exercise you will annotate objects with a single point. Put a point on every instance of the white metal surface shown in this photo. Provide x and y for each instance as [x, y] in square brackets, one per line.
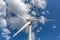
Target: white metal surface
[28, 23]
[30, 32]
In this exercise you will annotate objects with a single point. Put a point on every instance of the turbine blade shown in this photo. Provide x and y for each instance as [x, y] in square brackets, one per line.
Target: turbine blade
[28, 23]
[50, 20]
[30, 32]
[21, 17]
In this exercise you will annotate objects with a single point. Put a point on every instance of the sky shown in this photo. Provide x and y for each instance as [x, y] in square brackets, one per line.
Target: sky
[14, 12]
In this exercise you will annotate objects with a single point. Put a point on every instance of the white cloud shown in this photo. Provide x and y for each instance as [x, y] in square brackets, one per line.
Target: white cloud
[43, 12]
[7, 37]
[42, 20]
[34, 13]
[39, 39]
[47, 12]
[2, 8]
[18, 7]
[15, 22]
[54, 27]
[3, 22]
[58, 36]
[35, 24]
[38, 30]
[5, 33]
[39, 3]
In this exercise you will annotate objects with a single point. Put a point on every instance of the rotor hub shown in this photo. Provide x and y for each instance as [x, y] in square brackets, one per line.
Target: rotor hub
[30, 21]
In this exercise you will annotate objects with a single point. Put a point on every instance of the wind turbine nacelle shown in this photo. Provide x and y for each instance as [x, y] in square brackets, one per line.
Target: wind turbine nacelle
[29, 20]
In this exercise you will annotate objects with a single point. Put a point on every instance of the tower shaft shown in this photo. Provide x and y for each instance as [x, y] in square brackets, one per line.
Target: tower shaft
[30, 32]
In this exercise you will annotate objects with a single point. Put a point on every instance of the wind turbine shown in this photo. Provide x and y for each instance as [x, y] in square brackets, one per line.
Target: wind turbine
[29, 23]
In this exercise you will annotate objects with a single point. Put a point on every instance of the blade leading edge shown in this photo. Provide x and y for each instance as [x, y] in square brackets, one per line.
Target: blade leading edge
[28, 23]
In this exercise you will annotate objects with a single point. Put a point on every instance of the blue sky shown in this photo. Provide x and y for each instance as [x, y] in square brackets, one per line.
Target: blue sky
[47, 32]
